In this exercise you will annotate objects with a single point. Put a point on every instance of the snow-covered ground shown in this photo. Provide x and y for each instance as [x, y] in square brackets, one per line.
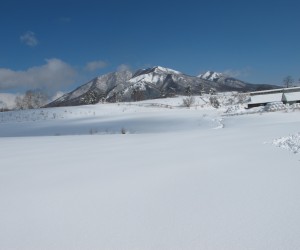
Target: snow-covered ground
[179, 178]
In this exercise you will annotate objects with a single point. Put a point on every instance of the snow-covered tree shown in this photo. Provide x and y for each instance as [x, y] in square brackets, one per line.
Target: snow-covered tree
[188, 101]
[31, 100]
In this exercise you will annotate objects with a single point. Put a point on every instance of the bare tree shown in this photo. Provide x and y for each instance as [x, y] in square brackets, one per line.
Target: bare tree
[288, 81]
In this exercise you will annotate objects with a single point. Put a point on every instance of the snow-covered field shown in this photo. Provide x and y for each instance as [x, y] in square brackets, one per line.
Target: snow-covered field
[179, 178]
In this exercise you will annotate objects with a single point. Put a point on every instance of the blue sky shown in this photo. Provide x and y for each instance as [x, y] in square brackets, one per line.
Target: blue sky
[61, 44]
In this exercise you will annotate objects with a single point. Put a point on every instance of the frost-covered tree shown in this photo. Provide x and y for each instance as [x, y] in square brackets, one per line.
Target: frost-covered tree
[31, 100]
[188, 101]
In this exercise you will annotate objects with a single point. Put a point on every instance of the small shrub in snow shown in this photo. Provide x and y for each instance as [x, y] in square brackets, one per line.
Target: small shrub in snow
[234, 109]
[188, 101]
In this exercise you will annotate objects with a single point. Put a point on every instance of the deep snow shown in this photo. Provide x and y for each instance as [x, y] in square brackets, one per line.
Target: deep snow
[180, 178]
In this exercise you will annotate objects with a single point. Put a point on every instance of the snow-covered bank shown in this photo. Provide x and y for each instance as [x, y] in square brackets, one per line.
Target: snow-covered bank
[174, 183]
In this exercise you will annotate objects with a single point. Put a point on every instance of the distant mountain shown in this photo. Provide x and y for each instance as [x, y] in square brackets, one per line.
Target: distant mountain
[231, 82]
[151, 83]
[223, 79]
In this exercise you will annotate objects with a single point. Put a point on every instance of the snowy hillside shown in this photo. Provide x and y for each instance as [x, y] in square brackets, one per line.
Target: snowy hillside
[151, 175]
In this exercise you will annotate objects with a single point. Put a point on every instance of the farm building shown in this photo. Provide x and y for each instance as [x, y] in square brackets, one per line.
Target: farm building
[286, 95]
[291, 97]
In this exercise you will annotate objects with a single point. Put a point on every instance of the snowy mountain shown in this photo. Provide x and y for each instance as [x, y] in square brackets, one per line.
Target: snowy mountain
[231, 82]
[211, 75]
[93, 91]
[151, 83]
[223, 79]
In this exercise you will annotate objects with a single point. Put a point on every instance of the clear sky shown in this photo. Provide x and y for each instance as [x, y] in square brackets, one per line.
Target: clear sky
[60, 44]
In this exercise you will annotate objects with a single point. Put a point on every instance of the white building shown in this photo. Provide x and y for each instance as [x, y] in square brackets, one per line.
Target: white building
[285, 95]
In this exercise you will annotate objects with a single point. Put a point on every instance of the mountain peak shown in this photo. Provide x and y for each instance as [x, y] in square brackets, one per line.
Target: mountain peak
[160, 69]
[211, 75]
[157, 70]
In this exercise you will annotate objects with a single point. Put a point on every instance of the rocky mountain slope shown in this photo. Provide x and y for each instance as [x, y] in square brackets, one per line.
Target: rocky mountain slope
[151, 83]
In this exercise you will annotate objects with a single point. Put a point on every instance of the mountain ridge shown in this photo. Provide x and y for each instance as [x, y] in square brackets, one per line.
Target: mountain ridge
[151, 83]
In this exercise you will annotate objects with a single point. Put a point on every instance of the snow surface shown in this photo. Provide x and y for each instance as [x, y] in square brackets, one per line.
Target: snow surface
[180, 178]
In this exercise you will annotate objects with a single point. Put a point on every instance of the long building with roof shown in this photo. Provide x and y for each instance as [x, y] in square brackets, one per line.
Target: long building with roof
[284, 95]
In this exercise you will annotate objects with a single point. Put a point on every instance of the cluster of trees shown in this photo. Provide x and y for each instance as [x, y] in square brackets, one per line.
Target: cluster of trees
[137, 94]
[31, 100]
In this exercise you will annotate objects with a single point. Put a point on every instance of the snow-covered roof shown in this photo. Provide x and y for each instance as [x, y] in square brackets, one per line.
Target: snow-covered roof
[292, 89]
[293, 96]
[266, 98]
